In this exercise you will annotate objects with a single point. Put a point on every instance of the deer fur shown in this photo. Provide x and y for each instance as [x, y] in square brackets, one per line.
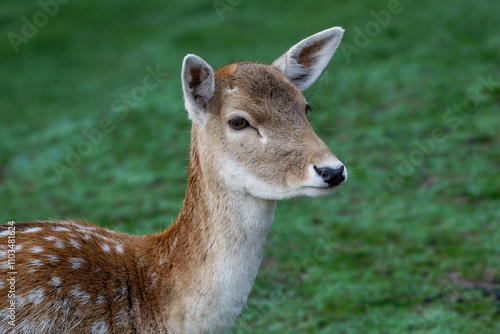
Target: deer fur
[251, 145]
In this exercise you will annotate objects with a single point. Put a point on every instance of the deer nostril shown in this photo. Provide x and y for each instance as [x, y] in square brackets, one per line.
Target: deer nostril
[333, 177]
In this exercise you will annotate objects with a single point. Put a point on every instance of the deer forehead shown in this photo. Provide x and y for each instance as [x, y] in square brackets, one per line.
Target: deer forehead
[259, 90]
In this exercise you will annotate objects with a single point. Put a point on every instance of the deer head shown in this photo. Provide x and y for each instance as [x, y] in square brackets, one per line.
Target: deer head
[250, 124]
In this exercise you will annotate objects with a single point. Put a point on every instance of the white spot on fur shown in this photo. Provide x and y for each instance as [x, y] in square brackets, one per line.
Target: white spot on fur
[18, 247]
[100, 300]
[154, 278]
[121, 318]
[81, 296]
[65, 306]
[52, 257]
[2, 283]
[43, 324]
[76, 262]
[229, 91]
[74, 243]
[59, 244]
[55, 282]
[36, 249]
[88, 228]
[35, 296]
[35, 262]
[49, 238]
[32, 230]
[86, 237]
[61, 229]
[119, 249]
[99, 327]
[3, 254]
[4, 233]
[105, 247]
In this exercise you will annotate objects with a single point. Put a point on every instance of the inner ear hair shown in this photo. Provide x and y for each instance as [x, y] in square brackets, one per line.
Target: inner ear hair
[308, 55]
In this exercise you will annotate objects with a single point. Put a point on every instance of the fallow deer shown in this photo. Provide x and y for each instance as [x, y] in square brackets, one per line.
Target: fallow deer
[251, 145]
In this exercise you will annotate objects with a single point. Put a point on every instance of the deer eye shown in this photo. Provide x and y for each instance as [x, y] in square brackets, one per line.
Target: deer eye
[238, 123]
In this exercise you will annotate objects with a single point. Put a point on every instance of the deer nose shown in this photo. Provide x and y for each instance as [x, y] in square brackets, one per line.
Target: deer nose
[333, 177]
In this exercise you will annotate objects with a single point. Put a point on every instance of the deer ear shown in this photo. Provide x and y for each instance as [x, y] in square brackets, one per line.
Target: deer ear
[198, 85]
[305, 61]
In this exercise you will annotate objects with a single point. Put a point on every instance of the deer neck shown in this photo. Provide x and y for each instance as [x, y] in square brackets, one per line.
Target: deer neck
[220, 236]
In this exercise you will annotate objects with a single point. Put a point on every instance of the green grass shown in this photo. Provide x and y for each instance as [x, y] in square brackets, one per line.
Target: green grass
[410, 244]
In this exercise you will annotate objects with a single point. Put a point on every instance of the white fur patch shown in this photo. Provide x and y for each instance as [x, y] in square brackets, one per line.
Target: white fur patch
[32, 230]
[99, 327]
[55, 281]
[81, 296]
[74, 243]
[105, 247]
[59, 243]
[56, 284]
[35, 262]
[121, 318]
[119, 249]
[242, 181]
[35, 296]
[232, 90]
[52, 257]
[36, 249]
[76, 262]
[61, 229]
[88, 228]
[100, 299]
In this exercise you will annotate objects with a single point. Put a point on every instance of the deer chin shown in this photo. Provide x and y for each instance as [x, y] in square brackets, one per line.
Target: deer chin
[318, 191]
[239, 179]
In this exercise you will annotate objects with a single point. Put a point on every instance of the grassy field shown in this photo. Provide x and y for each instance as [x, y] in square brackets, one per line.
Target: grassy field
[410, 102]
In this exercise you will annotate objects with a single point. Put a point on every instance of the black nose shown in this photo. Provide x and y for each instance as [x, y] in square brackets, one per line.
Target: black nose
[333, 177]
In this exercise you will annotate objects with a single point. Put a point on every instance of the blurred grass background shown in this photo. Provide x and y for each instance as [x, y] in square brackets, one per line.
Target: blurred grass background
[410, 103]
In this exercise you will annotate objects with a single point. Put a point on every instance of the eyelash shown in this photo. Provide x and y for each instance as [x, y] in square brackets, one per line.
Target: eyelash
[308, 108]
